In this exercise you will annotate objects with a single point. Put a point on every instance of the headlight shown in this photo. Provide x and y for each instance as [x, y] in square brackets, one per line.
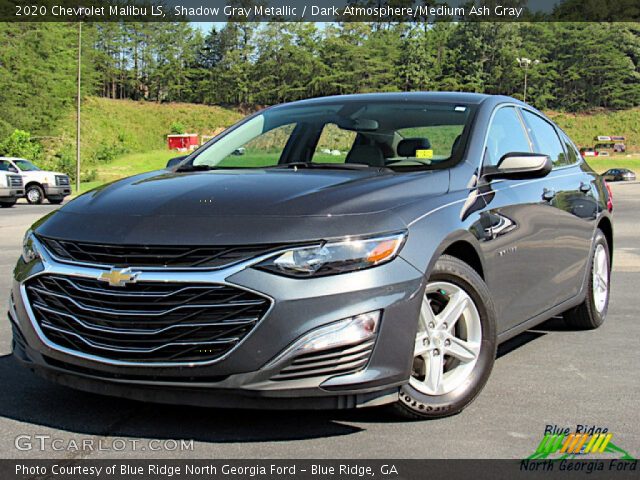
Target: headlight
[336, 257]
[29, 251]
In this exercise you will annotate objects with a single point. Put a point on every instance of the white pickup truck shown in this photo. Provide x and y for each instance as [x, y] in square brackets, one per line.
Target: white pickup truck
[11, 186]
[39, 184]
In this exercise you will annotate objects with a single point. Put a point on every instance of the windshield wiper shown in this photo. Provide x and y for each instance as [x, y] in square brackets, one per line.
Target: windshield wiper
[328, 166]
[194, 168]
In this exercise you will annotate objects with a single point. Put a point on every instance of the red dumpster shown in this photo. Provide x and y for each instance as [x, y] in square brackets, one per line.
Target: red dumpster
[182, 142]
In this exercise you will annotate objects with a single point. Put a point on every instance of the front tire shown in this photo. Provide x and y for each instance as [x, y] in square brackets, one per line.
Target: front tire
[591, 313]
[8, 204]
[455, 344]
[55, 201]
[34, 194]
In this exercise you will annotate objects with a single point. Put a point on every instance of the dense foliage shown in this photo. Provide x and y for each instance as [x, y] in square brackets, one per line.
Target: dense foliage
[581, 65]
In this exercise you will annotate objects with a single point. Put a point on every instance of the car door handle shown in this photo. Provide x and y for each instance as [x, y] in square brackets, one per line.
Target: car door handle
[585, 187]
[548, 194]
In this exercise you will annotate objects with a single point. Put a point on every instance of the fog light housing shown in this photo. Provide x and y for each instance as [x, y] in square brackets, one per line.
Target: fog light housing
[349, 331]
[343, 333]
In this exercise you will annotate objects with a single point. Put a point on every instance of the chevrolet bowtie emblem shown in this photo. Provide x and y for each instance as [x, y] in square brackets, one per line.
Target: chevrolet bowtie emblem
[119, 277]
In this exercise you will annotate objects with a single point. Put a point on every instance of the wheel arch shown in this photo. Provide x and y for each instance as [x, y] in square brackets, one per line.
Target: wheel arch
[607, 228]
[33, 183]
[463, 246]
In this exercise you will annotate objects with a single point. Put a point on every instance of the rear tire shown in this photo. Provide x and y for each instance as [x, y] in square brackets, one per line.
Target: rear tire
[462, 340]
[7, 204]
[34, 194]
[591, 313]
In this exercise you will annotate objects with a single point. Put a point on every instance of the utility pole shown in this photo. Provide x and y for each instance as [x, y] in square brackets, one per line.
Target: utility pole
[525, 63]
[78, 108]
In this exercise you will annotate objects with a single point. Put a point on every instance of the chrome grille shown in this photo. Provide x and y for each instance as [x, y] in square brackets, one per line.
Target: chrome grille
[144, 321]
[154, 255]
[62, 180]
[337, 361]
[14, 180]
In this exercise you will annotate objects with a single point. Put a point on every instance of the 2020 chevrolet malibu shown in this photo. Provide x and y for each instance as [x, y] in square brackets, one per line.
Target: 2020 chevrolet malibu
[362, 250]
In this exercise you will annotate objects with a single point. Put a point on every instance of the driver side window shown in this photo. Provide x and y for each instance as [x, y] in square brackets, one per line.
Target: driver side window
[7, 167]
[506, 135]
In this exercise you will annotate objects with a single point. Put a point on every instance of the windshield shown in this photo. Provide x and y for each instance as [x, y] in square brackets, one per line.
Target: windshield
[397, 135]
[26, 165]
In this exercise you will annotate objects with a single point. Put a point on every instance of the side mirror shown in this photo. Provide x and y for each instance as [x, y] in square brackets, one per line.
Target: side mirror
[175, 161]
[519, 166]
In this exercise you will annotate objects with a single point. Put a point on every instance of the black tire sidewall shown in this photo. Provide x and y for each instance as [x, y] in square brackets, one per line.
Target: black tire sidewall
[460, 274]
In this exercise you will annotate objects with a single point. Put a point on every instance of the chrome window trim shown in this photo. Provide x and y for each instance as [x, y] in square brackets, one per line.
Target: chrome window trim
[217, 277]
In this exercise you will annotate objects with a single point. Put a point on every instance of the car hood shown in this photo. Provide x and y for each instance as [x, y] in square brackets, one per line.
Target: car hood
[241, 206]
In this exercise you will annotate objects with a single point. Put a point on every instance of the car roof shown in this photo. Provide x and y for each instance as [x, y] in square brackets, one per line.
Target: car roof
[444, 97]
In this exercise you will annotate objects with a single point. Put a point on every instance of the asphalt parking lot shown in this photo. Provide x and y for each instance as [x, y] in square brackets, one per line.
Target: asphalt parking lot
[548, 376]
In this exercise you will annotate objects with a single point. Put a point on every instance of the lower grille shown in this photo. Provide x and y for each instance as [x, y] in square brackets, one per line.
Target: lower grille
[337, 361]
[118, 376]
[145, 321]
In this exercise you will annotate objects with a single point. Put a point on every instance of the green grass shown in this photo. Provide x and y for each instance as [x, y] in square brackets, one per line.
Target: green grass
[86, 186]
[134, 163]
[134, 127]
[602, 164]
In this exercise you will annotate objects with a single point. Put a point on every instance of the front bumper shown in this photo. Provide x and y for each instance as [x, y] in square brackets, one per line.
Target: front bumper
[244, 377]
[56, 191]
[11, 193]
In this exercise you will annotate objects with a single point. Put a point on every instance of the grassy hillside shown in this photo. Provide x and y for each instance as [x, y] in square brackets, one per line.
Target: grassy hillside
[112, 128]
[133, 163]
[583, 127]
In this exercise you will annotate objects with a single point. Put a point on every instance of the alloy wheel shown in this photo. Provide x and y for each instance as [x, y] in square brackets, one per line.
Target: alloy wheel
[448, 341]
[600, 283]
